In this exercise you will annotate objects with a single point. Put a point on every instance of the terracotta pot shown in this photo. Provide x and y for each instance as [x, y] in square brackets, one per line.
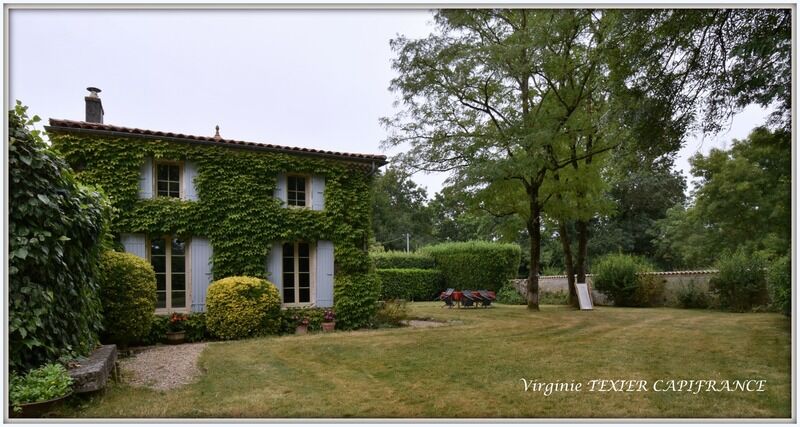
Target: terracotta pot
[37, 409]
[328, 326]
[301, 330]
[176, 337]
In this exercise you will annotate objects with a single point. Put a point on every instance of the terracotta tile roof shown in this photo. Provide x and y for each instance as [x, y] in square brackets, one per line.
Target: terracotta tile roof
[57, 125]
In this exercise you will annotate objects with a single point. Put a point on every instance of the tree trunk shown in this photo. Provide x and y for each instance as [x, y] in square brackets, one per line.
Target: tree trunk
[583, 240]
[534, 230]
[568, 264]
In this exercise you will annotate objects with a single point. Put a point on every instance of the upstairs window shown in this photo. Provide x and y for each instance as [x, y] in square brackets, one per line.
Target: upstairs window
[296, 190]
[168, 180]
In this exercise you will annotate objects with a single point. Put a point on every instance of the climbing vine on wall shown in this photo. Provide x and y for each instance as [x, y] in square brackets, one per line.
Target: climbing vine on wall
[236, 210]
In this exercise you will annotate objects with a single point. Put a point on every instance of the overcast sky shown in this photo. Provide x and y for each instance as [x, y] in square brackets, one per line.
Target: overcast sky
[304, 78]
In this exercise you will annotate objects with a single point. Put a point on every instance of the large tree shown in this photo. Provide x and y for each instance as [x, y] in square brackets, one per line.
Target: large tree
[499, 98]
[399, 207]
[742, 199]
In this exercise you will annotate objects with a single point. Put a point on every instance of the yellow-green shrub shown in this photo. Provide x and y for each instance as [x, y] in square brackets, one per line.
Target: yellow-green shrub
[241, 307]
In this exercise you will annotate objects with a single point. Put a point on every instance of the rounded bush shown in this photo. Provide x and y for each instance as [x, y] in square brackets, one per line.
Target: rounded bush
[618, 276]
[397, 259]
[412, 284]
[356, 299]
[128, 296]
[508, 294]
[240, 307]
[476, 264]
[779, 280]
[741, 283]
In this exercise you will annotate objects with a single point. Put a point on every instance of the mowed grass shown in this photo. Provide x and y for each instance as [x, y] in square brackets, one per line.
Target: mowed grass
[473, 368]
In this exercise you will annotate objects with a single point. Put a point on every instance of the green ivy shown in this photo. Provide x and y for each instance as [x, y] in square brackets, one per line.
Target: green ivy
[56, 229]
[235, 210]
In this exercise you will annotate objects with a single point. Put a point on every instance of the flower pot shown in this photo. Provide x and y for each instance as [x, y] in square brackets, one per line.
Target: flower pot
[37, 409]
[176, 337]
[301, 330]
[328, 326]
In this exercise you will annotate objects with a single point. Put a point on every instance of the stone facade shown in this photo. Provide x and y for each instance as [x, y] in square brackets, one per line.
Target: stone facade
[674, 281]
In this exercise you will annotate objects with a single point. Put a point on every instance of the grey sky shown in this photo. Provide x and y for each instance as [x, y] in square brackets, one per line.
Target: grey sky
[302, 78]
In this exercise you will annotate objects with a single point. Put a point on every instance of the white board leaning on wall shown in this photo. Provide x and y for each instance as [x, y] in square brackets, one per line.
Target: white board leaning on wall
[584, 299]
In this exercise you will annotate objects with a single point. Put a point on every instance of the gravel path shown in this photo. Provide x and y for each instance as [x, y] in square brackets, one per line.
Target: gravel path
[163, 367]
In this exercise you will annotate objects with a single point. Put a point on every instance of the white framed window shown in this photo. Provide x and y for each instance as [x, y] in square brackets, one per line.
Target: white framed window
[167, 179]
[169, 257]
[298, 278]
[298, 193]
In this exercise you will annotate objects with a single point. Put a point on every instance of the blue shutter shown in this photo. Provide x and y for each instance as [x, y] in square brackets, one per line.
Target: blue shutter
[318, 192]
[146, 179]
[135, 244]
[275, 267]
[200, 252]
[189, 173]
[280, 189]
[324, 273]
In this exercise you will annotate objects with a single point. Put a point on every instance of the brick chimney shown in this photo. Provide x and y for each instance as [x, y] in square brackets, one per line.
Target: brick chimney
[94, 106]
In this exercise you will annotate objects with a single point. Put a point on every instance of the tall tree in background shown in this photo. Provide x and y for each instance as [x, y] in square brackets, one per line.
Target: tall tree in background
[742, 200]
[497, 97]
[399, 207]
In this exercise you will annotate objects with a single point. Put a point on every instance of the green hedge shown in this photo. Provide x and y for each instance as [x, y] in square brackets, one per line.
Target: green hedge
[741, 283]
[413, 284]
[779, 282]
[128, 296]
[475, 264]
[619, 277]
[397, 259]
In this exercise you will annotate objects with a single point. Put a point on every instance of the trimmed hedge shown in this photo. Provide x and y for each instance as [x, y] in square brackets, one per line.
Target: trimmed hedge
[356, 299]
[128, 296]
[242, 307]
[475, 264]
[412, 284]
[397, 259]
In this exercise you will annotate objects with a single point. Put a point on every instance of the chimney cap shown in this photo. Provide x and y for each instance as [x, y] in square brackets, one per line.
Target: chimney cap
[94, 91]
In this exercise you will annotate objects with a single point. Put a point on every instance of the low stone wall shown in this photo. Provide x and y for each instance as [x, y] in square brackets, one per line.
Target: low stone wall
[674, 281]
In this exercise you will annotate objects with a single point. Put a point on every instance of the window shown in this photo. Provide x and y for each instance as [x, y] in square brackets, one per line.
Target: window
[296, 190]
[168, 180]
[296, 273]
[168, 257]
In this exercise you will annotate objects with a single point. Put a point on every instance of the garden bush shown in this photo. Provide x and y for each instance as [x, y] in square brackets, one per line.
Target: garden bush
[410, 283]
[779, 280]
[741, 283]
[196, 327]
[241, 307]
[356, 299]
[128, 297]
[391, 313]
[691, 297]
[618, 276]
[508, 294]
[56, 227]
[48, 382]
[475, 264]
[397, 259]
[553, 298]
[158, 330]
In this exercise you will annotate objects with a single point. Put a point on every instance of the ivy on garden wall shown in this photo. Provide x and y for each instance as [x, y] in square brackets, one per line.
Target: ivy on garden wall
[236, 210]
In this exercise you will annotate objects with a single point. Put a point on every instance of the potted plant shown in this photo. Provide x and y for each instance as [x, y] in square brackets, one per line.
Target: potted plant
[35, 393]
[302, 325]
[329, 321]
[176, 331]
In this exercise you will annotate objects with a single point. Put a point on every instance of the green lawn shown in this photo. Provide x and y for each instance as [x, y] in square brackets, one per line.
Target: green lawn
[473, 368]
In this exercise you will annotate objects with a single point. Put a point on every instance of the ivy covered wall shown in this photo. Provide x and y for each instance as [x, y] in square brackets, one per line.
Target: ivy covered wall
[236, 210]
